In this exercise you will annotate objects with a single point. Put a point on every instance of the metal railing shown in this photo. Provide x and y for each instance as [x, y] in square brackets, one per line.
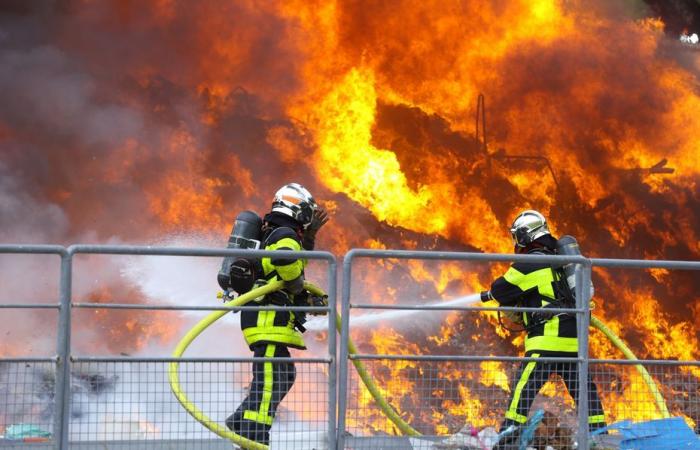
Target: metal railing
[65, 360]
[582, 311]
[339, 374]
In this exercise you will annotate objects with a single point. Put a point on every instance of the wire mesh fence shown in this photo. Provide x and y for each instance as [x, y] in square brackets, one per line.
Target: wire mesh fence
[132, 403]
[464, 404]
[452, 403]
[457, 402]
[27, 390]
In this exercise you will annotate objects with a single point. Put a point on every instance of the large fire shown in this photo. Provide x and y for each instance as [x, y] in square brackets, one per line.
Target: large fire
[179, 114]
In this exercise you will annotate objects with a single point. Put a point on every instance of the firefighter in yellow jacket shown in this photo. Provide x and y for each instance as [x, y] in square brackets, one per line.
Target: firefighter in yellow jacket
[533, 285]
[291, 225]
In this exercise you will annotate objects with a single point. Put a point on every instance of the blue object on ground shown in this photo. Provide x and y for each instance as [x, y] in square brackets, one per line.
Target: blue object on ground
[23, 430]
[528, 433]
[661, 434]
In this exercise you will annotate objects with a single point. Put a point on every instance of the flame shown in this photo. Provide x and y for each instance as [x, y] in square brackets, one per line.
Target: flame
[125, 331]
[592, 119]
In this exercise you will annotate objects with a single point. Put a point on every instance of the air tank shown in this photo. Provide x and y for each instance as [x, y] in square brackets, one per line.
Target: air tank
[246, 233]
[568, 246]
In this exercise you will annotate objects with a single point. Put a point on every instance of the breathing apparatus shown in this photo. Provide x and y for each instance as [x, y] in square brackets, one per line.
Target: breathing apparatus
[527, 227]
[239, 274]
[236, 273]
[564, 279]
[568, 246]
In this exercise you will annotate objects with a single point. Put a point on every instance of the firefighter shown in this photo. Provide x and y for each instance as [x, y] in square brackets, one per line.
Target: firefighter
[536, 285]
[292, 224]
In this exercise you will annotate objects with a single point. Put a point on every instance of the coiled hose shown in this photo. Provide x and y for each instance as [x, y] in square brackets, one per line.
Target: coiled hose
[387, 409]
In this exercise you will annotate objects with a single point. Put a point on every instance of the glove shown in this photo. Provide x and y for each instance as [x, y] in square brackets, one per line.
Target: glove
[318, 300]
[296, 285]
[318, 220]
[224, 280]
[542, 317]
[486, 296]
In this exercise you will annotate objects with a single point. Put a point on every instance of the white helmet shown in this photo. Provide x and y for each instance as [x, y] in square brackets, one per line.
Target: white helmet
[296, 202]
[528, 226]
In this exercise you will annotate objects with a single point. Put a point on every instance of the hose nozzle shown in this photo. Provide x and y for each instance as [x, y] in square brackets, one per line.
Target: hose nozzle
[486, 296]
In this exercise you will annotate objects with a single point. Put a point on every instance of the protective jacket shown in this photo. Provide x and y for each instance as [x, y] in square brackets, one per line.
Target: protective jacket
[530, 285]
[277, 327]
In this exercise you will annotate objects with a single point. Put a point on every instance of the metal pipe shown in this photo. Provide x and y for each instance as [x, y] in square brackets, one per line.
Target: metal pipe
[34, 249]
[583, 298]
[63, 346]
[461, 308]
[465, 358]
[143, 359]
[29, 359]
[645, 362]
[645, 264]
[29, 306]
[344, 339]
[200, 308]
[194, 251]
[332, 353]
[465, 256]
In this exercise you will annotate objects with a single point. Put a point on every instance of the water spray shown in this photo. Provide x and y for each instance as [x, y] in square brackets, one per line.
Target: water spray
[367, 319]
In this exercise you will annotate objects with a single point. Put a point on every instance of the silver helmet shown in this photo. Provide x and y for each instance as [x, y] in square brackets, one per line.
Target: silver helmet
[528, 226]
[296, 202]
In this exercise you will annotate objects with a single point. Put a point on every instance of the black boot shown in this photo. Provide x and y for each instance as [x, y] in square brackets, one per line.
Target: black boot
[249, 429]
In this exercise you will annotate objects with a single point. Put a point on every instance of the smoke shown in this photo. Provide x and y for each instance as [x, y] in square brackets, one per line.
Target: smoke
[157, 122]
[24, 218]
[44, 91]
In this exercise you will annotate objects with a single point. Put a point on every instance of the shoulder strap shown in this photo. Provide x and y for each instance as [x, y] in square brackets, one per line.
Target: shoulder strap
[278, 234]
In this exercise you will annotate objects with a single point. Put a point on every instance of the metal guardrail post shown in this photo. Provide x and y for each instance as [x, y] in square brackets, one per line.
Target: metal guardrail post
[583, 297]
[63, 345]
[332, 350]
[344, 343]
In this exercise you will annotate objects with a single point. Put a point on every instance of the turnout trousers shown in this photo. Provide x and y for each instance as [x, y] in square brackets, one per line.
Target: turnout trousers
[533, 375]
[270, 384]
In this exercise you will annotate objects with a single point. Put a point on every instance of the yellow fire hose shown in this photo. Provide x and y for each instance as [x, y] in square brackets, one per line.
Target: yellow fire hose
[658, 398]
[174, 376]
[387, 409]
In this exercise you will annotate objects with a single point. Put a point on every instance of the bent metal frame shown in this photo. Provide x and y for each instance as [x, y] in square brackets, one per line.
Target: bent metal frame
[339, 374]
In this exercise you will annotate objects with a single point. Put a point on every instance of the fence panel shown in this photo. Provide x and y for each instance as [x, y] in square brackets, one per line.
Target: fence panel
[459, 401]
[127, 403]
[30, 386]
[80, 402]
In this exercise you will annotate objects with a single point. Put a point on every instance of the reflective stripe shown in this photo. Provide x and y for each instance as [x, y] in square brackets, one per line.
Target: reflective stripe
[266, 331]
[513, 276]
[289, 271]
[255, 417]
[600, 418]
[512, 412]
[541, 279]
[282, 335]
[264, 410]
[264, 318]
[262, 414]
[551, 327]
[551, 344]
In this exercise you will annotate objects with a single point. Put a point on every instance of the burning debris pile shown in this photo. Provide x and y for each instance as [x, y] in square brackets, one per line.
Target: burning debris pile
[372, 107]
